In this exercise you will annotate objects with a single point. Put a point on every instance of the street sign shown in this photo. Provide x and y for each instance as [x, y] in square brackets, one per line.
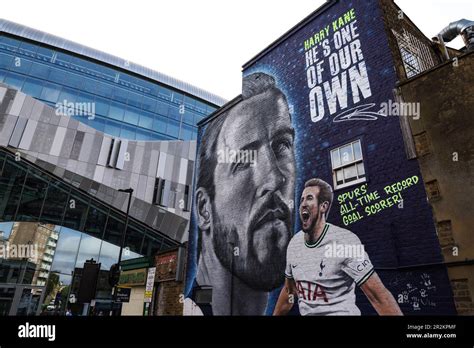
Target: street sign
[123, 295]
[150, 282]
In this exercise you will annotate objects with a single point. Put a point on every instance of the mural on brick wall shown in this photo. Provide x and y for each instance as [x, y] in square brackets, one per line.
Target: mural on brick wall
[304, 183]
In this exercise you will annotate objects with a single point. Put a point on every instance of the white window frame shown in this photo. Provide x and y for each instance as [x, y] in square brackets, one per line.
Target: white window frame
[355, 162]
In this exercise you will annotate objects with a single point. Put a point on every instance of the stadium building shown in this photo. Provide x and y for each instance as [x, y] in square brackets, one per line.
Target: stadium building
[76, 126]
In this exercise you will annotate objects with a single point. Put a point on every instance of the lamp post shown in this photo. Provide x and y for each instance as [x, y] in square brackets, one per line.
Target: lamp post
[129, 191]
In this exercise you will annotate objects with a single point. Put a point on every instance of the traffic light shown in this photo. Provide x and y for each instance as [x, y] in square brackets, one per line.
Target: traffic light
[114, 275]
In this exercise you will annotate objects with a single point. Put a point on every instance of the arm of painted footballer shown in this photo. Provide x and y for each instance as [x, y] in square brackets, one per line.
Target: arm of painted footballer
[287, 298]
[380, 297]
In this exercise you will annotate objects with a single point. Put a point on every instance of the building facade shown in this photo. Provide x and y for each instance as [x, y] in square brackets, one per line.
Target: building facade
[444, 147]
[130, 101]
[77, 125]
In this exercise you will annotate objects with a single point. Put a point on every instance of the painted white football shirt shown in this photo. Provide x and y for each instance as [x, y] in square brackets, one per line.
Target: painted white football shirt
[324, 274]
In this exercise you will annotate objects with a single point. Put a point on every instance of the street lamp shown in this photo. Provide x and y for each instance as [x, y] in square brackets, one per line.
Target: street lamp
[130, 192]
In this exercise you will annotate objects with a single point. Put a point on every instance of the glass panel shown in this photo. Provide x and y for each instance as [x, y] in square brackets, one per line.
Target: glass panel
[32, 87]
[75, 215]
[21, 65]
[188, 117]
[189, 101]
[66, 251]
[28, 47]
[116, 111]
[98, 123]
[44, 53]
[40, 70]
[12, 43]
[109, 254]
[55, 203]
[128, 132]
[173, 128]
[89, 85]
[350, 173]
[186, 132]
[146, 120]
[162, 108]
[143, 135]
[74, 80]
[160, 123]
[120, 95]
[339, 176]
[174, 113]
[14, 80]
[357, 150]
[5, 60]
[361, 169]
[112, 128]
[149, 104]
[346, 154]
[11, 184]
[96, 218]
[133, 238]
[29, 302]
[105, 90]
[51, 93]
[32, 198]
[201, 107]
[114, 230]
[5, 230]
[135, 99]
[131, 116]
[150, 246]
[165, 93]
[101, 106]
[336, 161]
[67, 95]
[89, 248]
[59, 76]
[6, 298]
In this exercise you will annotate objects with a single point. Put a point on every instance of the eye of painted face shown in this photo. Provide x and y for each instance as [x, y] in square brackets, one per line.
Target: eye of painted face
[239, 166]
[283, 146]
[309, 197]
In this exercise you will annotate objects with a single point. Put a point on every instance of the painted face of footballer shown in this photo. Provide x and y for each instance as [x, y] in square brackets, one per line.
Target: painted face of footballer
[310, 211]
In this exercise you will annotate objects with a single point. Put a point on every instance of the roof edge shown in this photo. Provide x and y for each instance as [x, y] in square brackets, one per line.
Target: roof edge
[123, 64]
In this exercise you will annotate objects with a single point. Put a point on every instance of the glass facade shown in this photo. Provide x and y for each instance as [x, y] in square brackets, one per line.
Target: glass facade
[28, 194]
[124, 105]
[67, 230]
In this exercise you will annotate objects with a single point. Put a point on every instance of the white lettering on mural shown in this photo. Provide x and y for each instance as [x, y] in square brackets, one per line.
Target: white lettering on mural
[336, 71]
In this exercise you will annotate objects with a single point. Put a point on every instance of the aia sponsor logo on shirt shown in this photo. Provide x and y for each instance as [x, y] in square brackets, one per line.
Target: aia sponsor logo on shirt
[309, 291]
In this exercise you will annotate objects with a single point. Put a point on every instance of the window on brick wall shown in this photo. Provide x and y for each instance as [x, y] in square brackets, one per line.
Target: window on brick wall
[432, 190]
[348, 165]
[422, 144]
[462, 296]
[445, 233]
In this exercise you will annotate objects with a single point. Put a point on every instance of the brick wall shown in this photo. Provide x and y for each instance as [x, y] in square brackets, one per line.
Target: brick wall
[462, 297]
